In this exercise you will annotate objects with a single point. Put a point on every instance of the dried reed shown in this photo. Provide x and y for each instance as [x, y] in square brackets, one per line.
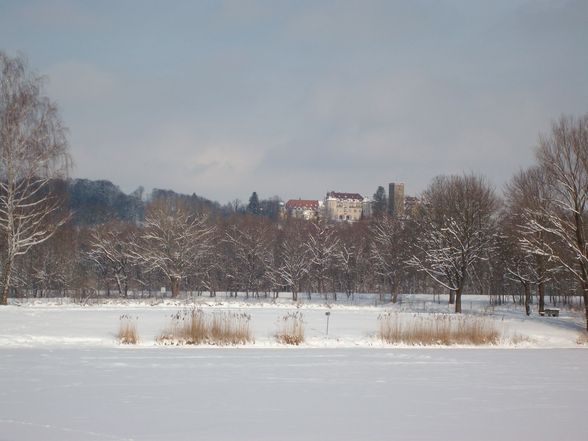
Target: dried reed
[291, 329]
[437, 329]
[127, 330]
[194, 327]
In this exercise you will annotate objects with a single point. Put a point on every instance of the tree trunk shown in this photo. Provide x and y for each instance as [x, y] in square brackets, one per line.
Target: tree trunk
[6, 276]
[541, 292]
[451, 297]
[394, 293]
[541, 284]
[175, 286]
[527, 287]
[585, 286]
[458, 300]
[294, 295]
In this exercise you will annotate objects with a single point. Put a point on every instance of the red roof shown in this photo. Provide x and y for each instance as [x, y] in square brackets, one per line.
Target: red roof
[306, 204]
[353, 196]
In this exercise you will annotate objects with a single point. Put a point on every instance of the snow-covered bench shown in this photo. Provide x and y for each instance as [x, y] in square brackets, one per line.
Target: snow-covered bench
[550, 312]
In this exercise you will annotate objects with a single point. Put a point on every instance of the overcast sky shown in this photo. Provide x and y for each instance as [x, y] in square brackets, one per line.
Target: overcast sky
[296, 98]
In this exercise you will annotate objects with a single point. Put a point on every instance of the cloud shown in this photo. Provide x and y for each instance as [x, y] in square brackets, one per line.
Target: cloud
[298, 98]
[78, 84]
[56, 14]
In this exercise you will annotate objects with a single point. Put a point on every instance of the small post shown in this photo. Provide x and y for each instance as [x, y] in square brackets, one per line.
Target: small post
[328, 314]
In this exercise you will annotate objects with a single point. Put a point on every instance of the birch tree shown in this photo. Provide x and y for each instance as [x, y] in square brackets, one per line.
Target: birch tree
[33, 151]
[457, 230]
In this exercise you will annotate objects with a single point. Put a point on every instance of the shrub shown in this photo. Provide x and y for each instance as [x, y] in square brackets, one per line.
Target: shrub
[517, 339]
[291, 329]
[437, 329]
[127, 330]
[230, 328]
[194, 327]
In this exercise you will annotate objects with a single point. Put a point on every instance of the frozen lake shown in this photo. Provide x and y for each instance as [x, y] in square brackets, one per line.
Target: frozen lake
[187, 393]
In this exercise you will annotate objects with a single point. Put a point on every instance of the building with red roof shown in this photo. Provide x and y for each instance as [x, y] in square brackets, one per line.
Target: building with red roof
[308, 209]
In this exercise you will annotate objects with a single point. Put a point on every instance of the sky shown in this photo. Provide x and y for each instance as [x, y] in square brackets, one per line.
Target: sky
[298, 98]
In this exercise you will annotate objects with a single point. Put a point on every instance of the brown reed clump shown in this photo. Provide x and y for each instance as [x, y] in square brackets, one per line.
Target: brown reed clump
[437, 329]
[194, 327]
[127, 330]
[291, 329]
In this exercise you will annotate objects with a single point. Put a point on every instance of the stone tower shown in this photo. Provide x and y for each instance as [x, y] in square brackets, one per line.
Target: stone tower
[396, 199]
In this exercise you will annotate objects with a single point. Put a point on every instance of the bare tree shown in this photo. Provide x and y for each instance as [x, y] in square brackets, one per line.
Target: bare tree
[249, 242]
[352, 256]
[33, 151]
[519, 265]
[388, 251]
[563, 158]
[172, 241]
[527, 200]
[458, 228]
[110, 249]
[322, 246]
[294, 262]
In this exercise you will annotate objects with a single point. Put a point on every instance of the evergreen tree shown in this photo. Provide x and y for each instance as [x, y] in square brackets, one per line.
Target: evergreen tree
[253, 206]
[380, 201]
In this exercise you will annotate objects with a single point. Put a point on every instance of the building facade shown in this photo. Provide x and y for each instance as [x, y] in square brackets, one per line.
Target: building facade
[348, 207]
[307, 209]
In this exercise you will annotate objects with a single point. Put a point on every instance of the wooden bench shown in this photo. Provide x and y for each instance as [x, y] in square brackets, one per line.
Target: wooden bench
[550, 312]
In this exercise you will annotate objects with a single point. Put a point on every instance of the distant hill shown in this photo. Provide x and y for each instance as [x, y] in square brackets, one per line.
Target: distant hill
[97, 202]
[195, 202]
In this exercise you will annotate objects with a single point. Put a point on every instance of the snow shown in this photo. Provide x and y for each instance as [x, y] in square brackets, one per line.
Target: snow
[351, 323]
[301, 394]
[64, 377]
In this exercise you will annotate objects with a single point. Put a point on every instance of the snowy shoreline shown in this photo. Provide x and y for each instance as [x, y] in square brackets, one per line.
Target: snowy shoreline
[62, 323]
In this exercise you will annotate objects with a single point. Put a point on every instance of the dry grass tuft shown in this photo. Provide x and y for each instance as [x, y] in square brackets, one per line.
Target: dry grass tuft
[127, 330]
[194, 327]
[291, 329]
[518, 339]
[437, 329]
[582, 338]
[230, 329]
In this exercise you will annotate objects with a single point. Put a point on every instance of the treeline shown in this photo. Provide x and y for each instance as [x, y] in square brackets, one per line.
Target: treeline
[92, 202]
[182, 247]
[462, 238]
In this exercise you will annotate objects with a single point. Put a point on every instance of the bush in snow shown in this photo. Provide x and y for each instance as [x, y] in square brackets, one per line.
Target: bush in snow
[436, 329]
[127, 331]
[194, 327]
[291, 329]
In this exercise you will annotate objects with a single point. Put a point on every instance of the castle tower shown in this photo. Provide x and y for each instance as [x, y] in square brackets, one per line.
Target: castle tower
[396, 199]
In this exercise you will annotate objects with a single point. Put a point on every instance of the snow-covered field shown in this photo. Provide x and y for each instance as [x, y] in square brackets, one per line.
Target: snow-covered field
[63, 376]
[351, 324]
